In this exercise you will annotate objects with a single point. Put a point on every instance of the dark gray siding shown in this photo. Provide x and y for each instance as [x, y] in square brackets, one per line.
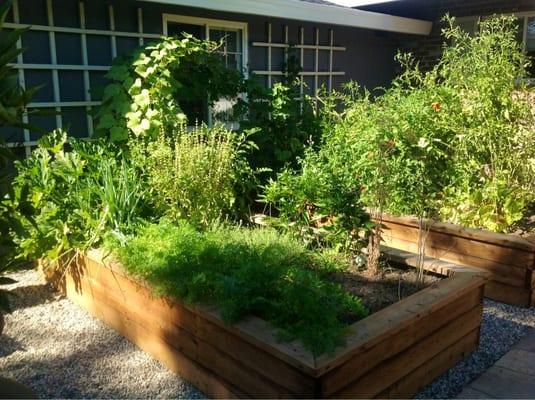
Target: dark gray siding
[368, 58]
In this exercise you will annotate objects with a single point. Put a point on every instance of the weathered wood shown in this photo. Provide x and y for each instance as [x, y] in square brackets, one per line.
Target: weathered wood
[418, 378]
[509, 259]
[509, 294]
[199, 376]
[197, 350]
[394, 368]
[246, 360]
[253, 330]
[394, 319]
[448, 242]
[399, 341]
[481, 235]
[500, 272]
[199, 339]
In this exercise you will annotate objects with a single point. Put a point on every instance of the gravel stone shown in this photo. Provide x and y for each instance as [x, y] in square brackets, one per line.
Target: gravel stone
[60, 351]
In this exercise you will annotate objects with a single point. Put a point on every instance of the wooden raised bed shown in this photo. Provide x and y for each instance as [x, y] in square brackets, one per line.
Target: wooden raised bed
[509, 259]
[392, 353]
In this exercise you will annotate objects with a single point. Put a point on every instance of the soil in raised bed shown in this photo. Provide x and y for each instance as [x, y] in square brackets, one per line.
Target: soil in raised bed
[392, 284]
[526, 226]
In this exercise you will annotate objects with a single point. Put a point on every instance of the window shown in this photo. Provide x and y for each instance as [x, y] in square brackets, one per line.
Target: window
[234, 51]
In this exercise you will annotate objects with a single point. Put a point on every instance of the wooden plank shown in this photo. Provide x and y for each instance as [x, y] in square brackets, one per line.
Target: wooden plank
[417, 379]
[508, 294]
[207, 342]
[200, 377]
[455, 244]
[506, 384]
[481, 235]
[254, 330]
[228, 368]
[369, 358]
[395, 368]
[501, 272]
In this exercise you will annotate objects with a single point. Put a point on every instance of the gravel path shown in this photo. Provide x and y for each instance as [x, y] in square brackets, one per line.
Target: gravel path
[58, 350]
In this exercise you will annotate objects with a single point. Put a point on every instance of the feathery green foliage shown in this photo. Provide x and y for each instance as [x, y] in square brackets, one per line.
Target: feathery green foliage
[246, 272]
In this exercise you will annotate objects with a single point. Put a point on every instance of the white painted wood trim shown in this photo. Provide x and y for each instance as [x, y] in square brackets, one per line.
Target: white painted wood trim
[300, 46]
[67, 67]
[87, 84]
[310, 12]
[302, 73]
[61, 29]
[54, 61]
[22, 83]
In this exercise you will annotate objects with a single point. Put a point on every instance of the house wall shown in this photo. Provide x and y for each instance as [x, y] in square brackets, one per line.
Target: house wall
[428, 49]
[71, 44]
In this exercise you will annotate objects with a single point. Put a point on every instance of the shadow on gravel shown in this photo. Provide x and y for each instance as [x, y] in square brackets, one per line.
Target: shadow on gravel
[9, 345]
[96, 368]
[30, 296]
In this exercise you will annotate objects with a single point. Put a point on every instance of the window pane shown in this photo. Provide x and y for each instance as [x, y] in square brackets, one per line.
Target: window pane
[176, 29]
[530, 38]
[231, 48]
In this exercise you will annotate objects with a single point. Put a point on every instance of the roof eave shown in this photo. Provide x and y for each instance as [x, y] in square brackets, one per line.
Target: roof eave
[303, 11]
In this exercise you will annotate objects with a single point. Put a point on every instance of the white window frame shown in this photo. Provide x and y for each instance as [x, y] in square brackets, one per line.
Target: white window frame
[209, 23]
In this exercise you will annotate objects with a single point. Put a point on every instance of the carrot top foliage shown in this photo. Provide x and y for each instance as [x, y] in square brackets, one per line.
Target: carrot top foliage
[246, 272]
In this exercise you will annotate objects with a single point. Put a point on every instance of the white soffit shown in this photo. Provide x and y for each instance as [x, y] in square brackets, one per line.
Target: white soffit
[305, 11]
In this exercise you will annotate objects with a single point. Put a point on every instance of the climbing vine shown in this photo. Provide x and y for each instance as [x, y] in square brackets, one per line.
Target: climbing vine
[149, 91]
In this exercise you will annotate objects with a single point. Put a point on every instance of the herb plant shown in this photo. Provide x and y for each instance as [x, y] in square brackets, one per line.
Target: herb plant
[195, 175]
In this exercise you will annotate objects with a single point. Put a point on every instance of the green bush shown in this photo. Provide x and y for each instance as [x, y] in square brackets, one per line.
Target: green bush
[77, 196]
[454, 143]
[149, 90]
[244, 272]
[195, 175]
[319, 204]
[285, 121]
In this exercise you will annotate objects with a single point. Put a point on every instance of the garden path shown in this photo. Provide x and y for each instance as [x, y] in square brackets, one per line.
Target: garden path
[512, 376]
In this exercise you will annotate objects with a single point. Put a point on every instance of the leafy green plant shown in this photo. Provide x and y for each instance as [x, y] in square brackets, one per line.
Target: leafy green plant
[77, 195]
[149, 91]
[453, 143]
[13, 102]
[286, 121]
[195, 175]
[319, 204]
[244, 272]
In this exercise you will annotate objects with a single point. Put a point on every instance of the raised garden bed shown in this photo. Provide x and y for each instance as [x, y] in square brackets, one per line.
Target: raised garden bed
[509, 259]
[392, 353]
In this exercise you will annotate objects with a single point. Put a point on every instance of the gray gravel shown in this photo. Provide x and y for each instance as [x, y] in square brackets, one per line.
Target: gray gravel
[59, 350]
[502, 327]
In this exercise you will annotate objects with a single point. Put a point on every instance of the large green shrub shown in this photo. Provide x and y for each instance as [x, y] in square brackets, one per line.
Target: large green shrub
[319, 204]
[77, 196]
[285, 121]
[454, 143]
[195, 175]
[246, 272]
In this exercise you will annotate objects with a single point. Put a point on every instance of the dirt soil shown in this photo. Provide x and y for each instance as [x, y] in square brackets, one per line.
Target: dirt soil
[526, 226]
[392, 284]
